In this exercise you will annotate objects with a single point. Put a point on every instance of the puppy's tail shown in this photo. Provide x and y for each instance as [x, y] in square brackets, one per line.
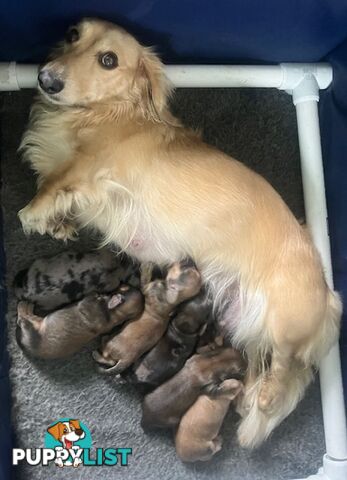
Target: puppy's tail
[257, 425]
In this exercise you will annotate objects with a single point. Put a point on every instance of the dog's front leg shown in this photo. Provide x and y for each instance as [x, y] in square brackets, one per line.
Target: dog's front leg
[52, 208]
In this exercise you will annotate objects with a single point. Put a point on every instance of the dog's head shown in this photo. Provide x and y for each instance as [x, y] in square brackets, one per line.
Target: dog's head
[182, 281]
[67, 432]
[100, 63]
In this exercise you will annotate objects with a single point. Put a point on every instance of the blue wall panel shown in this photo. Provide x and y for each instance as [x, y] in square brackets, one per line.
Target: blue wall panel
[219, 30]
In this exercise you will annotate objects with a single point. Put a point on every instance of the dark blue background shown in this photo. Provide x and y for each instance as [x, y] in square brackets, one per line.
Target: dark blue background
[207, 31]
[189, 30]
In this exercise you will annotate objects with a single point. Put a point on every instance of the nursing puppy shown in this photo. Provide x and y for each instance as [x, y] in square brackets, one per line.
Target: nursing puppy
[198, 437]
[179, 342]
[52, 282]
[161, 296]
[164, 407]
[66, 331]
[109, 154]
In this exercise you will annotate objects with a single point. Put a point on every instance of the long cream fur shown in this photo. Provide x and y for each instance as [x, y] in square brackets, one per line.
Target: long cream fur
[109, 155]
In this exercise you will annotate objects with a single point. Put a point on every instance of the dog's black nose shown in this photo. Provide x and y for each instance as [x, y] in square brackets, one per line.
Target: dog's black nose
[49, 82]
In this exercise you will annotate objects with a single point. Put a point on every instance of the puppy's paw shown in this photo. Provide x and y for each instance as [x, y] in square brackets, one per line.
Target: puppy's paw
[24, 310]
[217, 444]
[116, 369]
[105, 366]
[230, 388]
[62, 230]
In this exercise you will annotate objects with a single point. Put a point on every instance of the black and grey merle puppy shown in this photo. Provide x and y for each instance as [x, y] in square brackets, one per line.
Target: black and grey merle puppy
[52, 282]
[175, 347]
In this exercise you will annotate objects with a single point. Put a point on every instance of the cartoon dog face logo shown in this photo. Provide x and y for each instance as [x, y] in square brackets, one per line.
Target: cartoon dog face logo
[69, 438]
[67, 432]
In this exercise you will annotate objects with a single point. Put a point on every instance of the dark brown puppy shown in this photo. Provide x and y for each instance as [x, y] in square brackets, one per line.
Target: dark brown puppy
[173, 349]
[198, 436]
[203, 372]
[64, 332]
[117, 353]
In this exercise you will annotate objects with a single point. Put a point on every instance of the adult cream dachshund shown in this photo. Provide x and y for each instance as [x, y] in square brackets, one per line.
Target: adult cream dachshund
[109, 155]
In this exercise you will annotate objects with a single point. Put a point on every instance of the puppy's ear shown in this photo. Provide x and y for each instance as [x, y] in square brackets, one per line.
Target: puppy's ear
[56, 430]
[115, 300]
[202, 330]
[155, 86]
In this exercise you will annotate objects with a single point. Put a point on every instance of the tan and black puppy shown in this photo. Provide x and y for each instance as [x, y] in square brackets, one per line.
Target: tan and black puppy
[117, 353]
[179, 342]
[198, 437]
[64, 332]
[202, 373]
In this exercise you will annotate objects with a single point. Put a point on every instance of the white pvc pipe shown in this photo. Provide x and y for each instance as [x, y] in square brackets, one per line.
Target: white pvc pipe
[27, 75]
[15, 77]
[305, 100]
[211, 76]
[285, 76]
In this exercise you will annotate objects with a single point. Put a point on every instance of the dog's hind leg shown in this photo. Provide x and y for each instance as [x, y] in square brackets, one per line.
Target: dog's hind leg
[274, 382]
[277, 403]
[273, 388]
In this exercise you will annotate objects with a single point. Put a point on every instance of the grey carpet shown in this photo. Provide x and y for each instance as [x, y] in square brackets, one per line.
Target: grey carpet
[257, 127]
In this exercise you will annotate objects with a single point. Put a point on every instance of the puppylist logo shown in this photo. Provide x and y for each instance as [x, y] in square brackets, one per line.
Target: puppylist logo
[68, 443]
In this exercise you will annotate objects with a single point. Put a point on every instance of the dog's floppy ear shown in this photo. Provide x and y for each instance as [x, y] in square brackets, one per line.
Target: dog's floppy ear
[155, 85]
[75, 424]
[56, 430]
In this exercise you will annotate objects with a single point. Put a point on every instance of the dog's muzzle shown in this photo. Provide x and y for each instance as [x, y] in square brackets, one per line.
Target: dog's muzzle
[50, 82]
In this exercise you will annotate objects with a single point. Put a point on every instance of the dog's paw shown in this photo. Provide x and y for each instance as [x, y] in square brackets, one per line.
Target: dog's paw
[270, 396]
[32, 220]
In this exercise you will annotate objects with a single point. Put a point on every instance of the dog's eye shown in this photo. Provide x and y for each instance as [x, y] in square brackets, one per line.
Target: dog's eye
[72, 35]
[108, 60]
[65, 430]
